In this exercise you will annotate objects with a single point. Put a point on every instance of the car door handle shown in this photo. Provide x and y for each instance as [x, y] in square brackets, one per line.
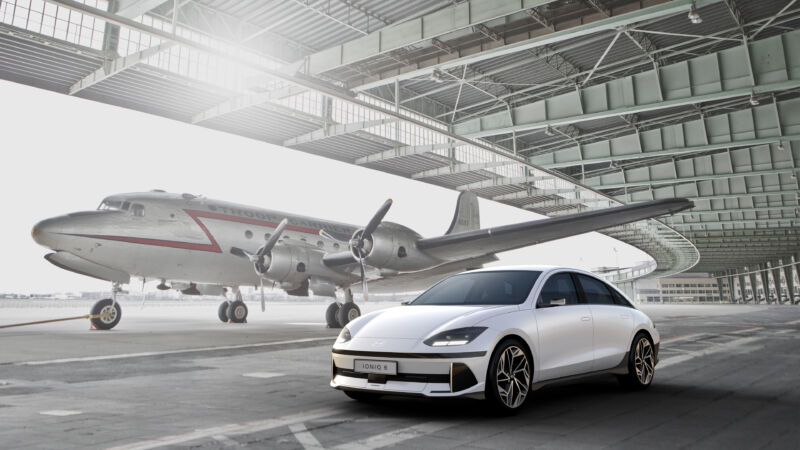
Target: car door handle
[586, 318]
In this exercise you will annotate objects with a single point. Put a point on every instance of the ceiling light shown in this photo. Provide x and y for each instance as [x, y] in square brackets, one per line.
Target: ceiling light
[694, 16]
[781, 147]
[753, 100]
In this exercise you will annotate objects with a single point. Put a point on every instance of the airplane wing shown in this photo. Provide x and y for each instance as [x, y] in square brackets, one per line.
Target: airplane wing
[423, 279]
[471, 244]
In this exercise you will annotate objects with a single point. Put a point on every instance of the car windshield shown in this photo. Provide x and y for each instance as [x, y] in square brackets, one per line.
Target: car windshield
[481, 288]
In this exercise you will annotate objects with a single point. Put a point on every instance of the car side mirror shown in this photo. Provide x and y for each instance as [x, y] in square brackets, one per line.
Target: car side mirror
[405, 302]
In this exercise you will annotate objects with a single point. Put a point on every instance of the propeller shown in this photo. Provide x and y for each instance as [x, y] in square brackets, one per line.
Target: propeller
[358, 242]
[261, 259]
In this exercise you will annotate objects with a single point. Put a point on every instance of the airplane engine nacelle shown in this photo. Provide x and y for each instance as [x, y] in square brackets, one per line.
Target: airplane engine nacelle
[288, 266]
[393, 246]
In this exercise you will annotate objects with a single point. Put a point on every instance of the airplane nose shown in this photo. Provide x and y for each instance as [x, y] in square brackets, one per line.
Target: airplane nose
[42, 231]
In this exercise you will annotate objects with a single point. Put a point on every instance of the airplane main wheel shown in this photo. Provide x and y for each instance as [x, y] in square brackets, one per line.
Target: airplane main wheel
[237, 312]
[330, 315]
[347, 313]
[110, 313]
[222, 311]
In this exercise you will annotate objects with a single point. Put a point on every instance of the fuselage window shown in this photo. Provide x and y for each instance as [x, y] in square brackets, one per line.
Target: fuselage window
[248, 234]
[137, 210]
[320, 244]
[267, 235]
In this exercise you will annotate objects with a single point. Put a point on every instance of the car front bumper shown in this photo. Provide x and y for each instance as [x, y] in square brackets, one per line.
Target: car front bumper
[418, 374]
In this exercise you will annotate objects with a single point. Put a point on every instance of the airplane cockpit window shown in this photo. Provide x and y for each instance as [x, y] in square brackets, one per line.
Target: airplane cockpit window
[113, 205]
[137, 210]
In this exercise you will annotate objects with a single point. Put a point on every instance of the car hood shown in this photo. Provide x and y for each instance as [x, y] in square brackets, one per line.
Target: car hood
[417, 322]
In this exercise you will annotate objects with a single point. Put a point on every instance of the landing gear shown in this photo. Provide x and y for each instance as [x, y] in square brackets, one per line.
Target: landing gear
[109, 312]
[340, 314]
[237, 312]
[348, 312]
[331, 315]
[222, 311]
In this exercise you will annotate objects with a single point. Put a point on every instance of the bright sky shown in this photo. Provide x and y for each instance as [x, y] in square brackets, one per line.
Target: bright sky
[62, 154]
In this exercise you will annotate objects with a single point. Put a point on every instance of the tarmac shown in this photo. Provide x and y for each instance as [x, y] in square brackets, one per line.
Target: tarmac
[172, 375]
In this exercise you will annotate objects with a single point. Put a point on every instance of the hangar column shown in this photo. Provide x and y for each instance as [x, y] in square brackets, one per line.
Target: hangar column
[731, 286]
[743, 286]
[763, 273]
[789, 276]
[753, 283]
[776, 280]
[720, 280]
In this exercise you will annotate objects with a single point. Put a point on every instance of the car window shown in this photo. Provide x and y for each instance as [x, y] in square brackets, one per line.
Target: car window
[619, 299]
[559, 290]
[595, 291]
[481, 288]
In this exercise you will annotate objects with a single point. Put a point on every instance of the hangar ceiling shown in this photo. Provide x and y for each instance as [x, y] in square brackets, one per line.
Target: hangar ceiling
[551, 106]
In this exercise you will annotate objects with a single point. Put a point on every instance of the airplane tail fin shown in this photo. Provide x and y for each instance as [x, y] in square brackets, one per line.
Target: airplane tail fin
[467, 216]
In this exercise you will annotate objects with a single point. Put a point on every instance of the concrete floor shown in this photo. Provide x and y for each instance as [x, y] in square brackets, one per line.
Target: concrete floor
[174, 376]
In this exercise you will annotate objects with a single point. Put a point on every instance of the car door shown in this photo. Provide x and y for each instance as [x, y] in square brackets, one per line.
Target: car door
[564, 329]
[613, 323]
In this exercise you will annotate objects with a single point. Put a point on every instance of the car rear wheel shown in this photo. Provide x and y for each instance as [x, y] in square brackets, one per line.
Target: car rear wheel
[641, 363]
[509, 378]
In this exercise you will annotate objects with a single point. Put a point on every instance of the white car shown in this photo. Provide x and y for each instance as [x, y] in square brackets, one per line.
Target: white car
[497, 334]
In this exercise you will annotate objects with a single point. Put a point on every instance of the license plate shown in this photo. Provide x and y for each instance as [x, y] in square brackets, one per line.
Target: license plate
[371, 366]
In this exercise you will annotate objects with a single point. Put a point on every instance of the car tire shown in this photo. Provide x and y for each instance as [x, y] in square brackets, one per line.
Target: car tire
[365, 397]
[330, 315]
[237, 312]
[348, 312]
[641, 363]
[110, 307]
[508, 388]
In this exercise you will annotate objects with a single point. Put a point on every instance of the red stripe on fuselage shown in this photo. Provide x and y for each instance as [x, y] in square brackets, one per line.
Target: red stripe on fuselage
[195, 215]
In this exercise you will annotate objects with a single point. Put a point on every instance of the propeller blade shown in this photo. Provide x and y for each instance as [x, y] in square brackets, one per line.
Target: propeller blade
[263, 307]
[363, 280]
[273, 239]
[376, 220]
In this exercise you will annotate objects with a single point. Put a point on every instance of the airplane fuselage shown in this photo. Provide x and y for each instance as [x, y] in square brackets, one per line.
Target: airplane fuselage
[185, 238]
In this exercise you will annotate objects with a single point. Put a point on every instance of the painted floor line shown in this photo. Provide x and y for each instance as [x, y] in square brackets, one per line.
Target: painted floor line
[671, 361]
[396, 436]
[683, 337]
[227, 430]
[304, 437]
[263, 374]
[745, 330]
[60, 413]
[171, 352]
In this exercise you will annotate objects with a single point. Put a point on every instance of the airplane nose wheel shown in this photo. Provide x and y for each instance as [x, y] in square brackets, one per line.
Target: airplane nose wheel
[110, 313]
[237, 312]
[347, 313]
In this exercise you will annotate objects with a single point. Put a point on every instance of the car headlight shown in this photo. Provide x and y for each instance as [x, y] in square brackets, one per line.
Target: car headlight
[459, 336]
[344, 336]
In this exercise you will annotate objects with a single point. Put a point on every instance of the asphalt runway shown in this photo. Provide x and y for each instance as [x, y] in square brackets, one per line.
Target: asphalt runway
[174, 376]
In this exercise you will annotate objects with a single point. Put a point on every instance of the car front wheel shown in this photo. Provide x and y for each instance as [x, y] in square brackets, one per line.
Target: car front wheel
[509, 378]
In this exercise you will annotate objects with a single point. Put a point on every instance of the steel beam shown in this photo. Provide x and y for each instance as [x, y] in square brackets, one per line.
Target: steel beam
[407, 150]
[645, 13]
[744, 128]
[245, 101]
[598, 184]
[534, 192]
[789, 277]
[712, 77]
[502, 181]
[116, 66]
[135, 8]
[334, 130]
[460, 168]
[447, 20]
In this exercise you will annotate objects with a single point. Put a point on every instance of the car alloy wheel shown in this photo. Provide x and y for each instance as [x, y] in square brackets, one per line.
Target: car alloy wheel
[643, 361]
[513, 376]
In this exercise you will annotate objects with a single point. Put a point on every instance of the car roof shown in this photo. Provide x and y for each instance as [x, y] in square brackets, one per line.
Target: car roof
[532, 268]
